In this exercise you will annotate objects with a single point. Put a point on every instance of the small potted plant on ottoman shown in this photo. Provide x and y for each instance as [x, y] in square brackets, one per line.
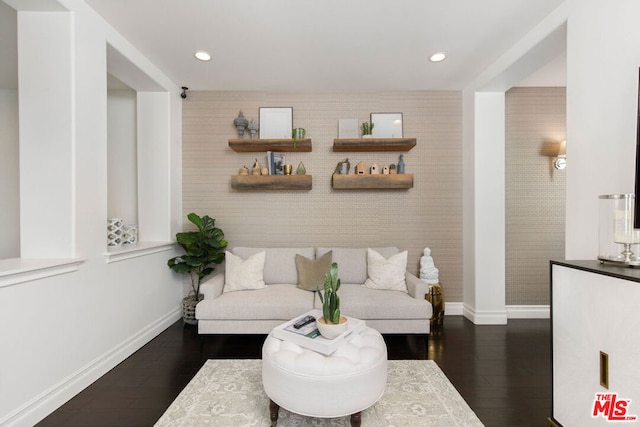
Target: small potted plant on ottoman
[202, 249]
[331, 324]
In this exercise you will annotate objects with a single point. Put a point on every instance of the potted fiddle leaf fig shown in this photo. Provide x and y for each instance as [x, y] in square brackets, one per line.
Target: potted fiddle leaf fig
[331, 324]
[203, 249]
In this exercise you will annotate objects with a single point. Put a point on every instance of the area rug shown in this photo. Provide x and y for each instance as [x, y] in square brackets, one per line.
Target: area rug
[230, 393]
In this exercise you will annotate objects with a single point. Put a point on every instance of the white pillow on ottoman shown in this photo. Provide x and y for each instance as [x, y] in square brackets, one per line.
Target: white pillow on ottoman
[243, 274]
[387, 274]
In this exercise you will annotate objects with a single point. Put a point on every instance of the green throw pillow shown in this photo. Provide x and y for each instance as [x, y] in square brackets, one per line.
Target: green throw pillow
[311, 272]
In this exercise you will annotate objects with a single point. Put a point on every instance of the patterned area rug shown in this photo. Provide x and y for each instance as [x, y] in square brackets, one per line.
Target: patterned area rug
[230, 393]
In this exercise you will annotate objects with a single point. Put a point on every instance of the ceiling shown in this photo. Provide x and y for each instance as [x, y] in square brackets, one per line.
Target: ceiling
[328, 45]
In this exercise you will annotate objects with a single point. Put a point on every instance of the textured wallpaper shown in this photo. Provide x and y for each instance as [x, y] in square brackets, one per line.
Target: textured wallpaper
[429, 214]
[535, 191]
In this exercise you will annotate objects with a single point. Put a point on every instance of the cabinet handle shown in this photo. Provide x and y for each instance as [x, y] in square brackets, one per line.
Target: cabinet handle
[604, 369]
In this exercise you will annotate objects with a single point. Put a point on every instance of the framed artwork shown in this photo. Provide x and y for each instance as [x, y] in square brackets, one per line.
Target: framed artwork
[347, 128]
[387, 125]
[276, 122]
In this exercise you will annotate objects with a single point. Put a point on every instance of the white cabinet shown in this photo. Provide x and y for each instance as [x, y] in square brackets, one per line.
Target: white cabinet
[595, 308]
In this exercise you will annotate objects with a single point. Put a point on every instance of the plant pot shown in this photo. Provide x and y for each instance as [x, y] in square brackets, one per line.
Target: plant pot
[331, 330]
[189, 309]
[367, 136]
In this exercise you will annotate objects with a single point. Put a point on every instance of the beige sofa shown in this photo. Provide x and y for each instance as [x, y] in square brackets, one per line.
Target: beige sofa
[257, 311]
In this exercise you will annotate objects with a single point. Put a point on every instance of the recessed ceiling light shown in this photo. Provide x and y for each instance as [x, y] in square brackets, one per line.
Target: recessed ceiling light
[437, 57]
[202, 55]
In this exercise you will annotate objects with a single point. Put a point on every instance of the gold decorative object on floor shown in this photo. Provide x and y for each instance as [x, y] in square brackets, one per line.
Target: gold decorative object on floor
[436, 297]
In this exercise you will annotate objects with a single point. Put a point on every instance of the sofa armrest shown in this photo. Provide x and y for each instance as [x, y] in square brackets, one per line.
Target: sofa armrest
[417, 288]
[212, 287]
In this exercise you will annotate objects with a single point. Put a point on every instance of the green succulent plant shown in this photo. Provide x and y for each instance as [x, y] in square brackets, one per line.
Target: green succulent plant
[330, 300]
[367, 128]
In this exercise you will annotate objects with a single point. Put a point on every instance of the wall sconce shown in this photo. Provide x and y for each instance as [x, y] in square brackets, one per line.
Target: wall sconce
[561, 159]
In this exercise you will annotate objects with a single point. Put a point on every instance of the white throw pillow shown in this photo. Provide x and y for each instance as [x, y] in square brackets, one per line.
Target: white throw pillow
[243, 274]
[388, 274]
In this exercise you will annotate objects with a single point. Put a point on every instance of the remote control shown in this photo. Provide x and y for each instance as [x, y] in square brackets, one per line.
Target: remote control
[304, 321]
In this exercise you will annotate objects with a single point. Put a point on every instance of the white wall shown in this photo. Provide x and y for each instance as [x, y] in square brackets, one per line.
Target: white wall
[603, 44]
[62, 328]
[484, 288]
[9, 176]
[46, 93]
[122, 154]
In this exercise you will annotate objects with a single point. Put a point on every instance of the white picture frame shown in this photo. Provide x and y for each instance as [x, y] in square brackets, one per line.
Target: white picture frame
[348, 128]
[387, 125]
[276, 122]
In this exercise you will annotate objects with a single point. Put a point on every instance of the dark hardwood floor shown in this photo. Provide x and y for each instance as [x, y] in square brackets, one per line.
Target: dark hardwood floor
[503, 372]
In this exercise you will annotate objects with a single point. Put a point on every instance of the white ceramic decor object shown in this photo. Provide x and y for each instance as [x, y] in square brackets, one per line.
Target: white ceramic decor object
[114, 231]
[130, 234]
[331, 330]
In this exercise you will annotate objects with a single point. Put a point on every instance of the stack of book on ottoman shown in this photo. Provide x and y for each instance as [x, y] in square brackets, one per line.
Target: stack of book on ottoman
[303, 331]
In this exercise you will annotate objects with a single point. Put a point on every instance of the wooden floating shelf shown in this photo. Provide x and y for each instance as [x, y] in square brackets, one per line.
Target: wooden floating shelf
[255, 145]
[270, 182]
[373, 144]
[373, 182]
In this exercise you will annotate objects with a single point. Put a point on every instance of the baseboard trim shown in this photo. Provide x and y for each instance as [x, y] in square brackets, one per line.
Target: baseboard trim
[496, 317]
[49, 400]
[529, 311]
[453, 309]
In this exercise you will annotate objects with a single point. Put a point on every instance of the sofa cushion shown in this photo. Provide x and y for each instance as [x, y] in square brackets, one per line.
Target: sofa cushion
[386, 273]
[243, 274]
[279, 302]
[364, 303]
[280, 264]
[311, 272]
[352, 262]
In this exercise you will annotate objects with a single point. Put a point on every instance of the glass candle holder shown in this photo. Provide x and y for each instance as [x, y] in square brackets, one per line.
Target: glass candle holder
[618, 239]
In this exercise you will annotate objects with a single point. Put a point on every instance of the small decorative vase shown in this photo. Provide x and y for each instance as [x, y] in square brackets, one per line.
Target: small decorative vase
[298, 133]
[253, 129]
[301, 169]
[344, 168]
[114, 231]
[130, 235]
[401, 164]
[241, 124]
[331, 331]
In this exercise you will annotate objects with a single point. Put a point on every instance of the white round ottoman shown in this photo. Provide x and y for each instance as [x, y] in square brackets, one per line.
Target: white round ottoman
[308, 383]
